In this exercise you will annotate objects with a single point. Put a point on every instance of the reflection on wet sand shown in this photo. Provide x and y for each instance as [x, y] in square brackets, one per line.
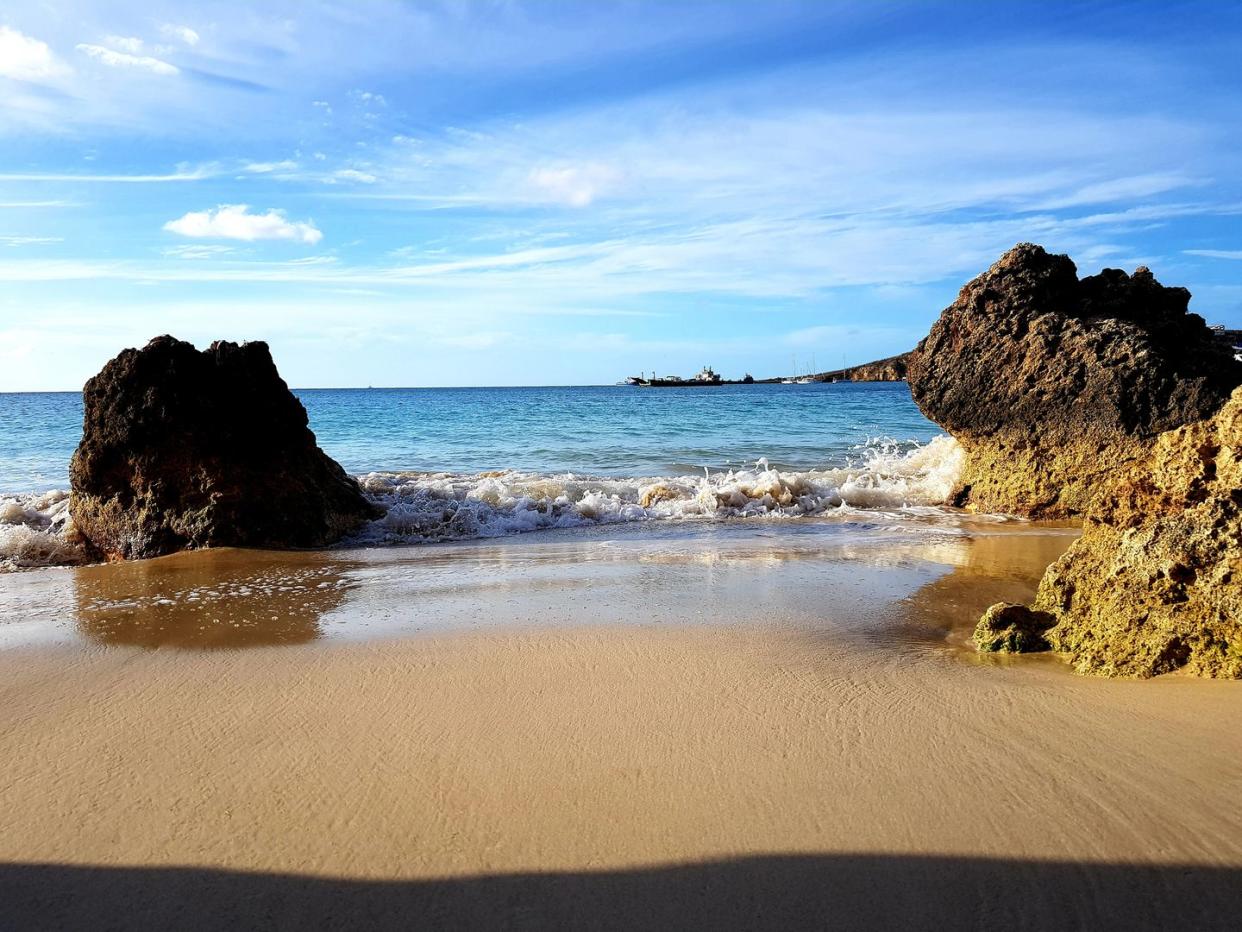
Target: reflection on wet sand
[903, 585]
[986, 570]
[210, 599]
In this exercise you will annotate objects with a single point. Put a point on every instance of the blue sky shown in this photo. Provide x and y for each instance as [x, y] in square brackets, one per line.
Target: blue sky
[455, 193]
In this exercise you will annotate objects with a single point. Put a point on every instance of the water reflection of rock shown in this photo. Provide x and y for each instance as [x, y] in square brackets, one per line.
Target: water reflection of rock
[210, 599]
[986, 569]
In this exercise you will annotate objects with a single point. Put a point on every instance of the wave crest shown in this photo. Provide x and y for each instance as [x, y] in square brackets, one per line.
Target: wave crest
[886, 475]
[36, 530]
[422, 507]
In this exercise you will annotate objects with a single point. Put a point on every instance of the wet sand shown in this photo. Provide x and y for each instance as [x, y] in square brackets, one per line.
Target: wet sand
[739, 731]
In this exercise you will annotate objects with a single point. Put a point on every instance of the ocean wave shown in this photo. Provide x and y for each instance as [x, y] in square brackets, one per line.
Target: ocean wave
[36, 530]
[882, 475]
[425, 507]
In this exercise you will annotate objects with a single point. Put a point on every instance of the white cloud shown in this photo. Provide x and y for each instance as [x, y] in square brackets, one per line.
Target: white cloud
[352, 174]
[181, 33]
[263, 168]
[27, 59]
[130, 44]
[114, 59]
[234, 221]
[576, 186]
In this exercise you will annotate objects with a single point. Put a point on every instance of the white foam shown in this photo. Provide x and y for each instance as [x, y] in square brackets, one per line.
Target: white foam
[449, 506]
[884, 475]
[36, 530]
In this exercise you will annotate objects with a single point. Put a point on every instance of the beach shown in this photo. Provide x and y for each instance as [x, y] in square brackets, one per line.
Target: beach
[749, 726]
[620, 465]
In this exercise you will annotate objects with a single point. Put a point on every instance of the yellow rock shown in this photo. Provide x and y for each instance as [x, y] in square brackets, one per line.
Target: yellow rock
[1155, 582]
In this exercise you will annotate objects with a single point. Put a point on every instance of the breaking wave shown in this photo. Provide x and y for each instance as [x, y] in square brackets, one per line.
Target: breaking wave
[883, 475]
[423, 507]
[36, 530]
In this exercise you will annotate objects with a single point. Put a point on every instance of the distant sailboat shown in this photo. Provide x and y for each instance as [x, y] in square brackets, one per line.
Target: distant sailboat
[806, 379]
[793, 361]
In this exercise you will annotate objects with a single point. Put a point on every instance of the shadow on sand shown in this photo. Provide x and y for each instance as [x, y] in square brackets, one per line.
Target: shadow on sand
[767, 892]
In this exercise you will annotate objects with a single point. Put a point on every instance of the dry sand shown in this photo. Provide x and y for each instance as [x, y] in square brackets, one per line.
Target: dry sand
[733, 770]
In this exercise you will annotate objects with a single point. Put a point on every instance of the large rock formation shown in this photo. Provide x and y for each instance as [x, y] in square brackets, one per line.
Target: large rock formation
[1155, 582]
[1051, 383]
[184, 449]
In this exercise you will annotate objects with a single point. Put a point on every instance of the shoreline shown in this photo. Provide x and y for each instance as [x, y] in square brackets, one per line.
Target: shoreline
[873, 567]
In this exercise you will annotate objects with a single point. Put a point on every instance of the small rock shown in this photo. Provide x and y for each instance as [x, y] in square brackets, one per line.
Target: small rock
[1014, 629]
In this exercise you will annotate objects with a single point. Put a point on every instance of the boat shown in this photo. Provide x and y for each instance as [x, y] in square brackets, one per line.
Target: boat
[706, 376]
[805, 379]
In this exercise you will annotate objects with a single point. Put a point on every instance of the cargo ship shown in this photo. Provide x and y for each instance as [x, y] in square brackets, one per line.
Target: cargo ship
[706, 376]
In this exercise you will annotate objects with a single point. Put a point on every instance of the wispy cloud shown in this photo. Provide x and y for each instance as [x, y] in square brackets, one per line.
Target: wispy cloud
[763, 173]
[115, 59]
[235, 221]
[1214, 253]
[575, 185]
[197, 251]
[353, 174]
[181, 174]
[264, 168]
[19, 240]
[179, 33]
[35, 205]
[131, 44]
[1121, 190]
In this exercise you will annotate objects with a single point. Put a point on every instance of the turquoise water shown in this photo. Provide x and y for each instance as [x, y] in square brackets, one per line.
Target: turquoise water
[459, 464]
[610, 431]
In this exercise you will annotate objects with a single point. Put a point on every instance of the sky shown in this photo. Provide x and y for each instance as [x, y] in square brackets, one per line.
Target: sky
[527, 192]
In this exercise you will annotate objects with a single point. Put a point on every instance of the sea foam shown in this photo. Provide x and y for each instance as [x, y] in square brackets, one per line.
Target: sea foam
[882, 476]
[36, 530]
[421, 507]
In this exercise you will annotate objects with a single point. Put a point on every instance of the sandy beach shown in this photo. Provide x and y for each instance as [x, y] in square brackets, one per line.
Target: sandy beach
[494, 735]
[620, 465]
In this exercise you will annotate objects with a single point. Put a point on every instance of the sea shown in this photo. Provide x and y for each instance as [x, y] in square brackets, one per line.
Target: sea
[450, 464]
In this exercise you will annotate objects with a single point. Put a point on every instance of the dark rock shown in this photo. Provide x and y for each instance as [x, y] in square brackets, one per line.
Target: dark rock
[1013, 629]
[184, 449]
[1050, 382]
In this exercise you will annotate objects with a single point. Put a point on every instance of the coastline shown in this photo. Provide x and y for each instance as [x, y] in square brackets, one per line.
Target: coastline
[546, 731]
